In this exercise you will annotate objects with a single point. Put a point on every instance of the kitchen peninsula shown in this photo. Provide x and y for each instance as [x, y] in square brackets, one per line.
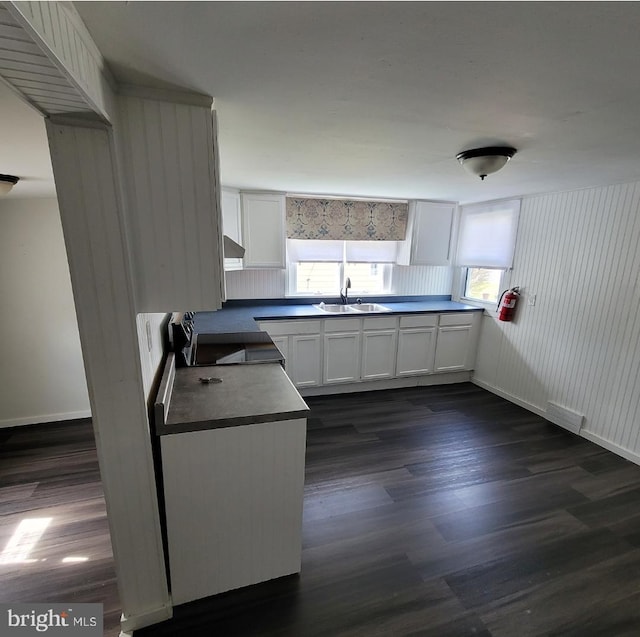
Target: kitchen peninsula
[233, 448]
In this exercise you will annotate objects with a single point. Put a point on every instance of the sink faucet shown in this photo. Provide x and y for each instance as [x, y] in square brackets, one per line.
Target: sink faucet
[345, 297]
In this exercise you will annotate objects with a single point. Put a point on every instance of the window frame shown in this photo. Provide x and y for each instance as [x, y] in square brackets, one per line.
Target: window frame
[504, 275]
[292, 276]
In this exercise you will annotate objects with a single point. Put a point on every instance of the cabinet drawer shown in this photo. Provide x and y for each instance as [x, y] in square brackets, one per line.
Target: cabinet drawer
[342, 325]
[281, 328]
[419, 320]
[461, 318]
[379, 323]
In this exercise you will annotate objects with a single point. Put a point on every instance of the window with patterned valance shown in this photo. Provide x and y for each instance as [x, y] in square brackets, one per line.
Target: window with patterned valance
[346, 219]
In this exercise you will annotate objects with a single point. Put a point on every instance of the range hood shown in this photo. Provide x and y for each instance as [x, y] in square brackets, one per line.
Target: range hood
[231, 249]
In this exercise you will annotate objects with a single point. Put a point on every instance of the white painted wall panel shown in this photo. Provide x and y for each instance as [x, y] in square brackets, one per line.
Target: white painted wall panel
[255, 284]
[579, 346]
[234, 506]
[41, 374]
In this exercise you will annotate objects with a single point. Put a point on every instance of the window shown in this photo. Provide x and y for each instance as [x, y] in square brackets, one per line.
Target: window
[320, 267]
[486, 245]
[483, 284]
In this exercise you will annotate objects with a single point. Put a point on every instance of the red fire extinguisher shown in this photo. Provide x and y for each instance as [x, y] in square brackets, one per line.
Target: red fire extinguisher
[507, 304]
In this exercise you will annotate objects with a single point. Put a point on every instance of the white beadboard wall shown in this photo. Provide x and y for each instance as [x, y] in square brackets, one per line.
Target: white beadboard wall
[255, 284]
[422, 279]
[168, 151]
[150, 344]
[271, 284]
[579, 346]
[83, 162]
[49, 56]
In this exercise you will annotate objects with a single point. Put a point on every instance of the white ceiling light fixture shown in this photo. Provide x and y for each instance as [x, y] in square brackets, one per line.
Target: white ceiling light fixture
[7, 182]
[485, 161]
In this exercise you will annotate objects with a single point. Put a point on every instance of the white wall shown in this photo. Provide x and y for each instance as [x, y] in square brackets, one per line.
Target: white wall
[41, 371]
[579, 345]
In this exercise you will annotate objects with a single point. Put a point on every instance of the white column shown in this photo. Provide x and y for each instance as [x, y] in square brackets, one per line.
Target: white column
[91, 209]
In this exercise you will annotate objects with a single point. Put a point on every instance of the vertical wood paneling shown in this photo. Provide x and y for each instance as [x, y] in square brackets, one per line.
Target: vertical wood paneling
[59, 32]
[422, 279]
[169, 155]
[256, 284]
[91, 213]
[579, 345]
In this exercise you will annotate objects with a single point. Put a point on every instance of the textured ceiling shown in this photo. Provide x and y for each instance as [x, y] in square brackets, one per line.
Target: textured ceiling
[376, 99]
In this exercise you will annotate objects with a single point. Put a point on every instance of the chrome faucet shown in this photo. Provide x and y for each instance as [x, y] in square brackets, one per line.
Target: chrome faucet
[345, 297]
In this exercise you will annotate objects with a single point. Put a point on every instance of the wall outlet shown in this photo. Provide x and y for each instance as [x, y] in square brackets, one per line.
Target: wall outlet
[531, 299]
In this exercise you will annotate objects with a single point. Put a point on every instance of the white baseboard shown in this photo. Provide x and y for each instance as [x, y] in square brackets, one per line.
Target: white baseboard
[390, 383]
[511, 398]
[611, 446]
[134, 622]
[37, 420]
[598, 440]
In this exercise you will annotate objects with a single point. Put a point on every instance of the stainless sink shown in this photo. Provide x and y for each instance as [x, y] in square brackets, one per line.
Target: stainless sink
[335, 308]
[338, 308]
[369, 307]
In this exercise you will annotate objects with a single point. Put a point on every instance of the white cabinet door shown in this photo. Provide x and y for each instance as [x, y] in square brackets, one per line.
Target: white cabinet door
[232, 224]
[303, 365]
[454, 351]
[378, 354]
[341, 357]
[416, 348]
[428, 234]
[263, 230]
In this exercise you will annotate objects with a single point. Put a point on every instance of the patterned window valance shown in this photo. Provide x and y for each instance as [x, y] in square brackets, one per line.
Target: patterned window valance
[346, 219]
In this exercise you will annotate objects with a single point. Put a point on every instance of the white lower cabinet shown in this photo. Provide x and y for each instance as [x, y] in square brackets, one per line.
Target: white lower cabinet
[456, 342]
[379, 342]
[345, 350]
[341, 350]
[301, 345]
[416, 344]
[303, 364]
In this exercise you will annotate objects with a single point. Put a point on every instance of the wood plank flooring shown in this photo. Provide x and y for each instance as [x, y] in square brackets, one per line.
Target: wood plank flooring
[436, 511]
[51, 471]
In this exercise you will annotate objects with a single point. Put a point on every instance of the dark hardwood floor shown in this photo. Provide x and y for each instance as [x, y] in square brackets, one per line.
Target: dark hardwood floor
[436, 511]
[51, 472]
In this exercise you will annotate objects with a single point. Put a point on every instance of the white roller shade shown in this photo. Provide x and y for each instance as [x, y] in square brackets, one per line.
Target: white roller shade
[314, 250]
[487, 235]
[371, 251]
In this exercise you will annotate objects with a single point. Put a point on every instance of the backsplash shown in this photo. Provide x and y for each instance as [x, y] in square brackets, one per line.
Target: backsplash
[271, 284]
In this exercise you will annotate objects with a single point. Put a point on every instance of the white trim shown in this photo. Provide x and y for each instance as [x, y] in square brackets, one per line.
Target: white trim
[625, 453]
[389, 383]
[510, 397]
[135, 622]
[166, 95]
[38, 420]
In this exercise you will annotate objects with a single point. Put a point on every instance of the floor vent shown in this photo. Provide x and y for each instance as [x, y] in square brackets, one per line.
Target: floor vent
[565, 418]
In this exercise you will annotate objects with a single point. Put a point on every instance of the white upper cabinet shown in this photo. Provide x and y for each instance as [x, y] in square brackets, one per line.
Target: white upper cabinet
[429, 231]
[263, 230]
[232, 224]
[172, 187]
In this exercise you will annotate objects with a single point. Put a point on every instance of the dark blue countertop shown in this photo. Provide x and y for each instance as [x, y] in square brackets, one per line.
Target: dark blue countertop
[241, 316]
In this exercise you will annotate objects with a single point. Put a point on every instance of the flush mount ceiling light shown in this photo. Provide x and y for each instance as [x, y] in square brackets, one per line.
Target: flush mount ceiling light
[485, 161]
[7, 182]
